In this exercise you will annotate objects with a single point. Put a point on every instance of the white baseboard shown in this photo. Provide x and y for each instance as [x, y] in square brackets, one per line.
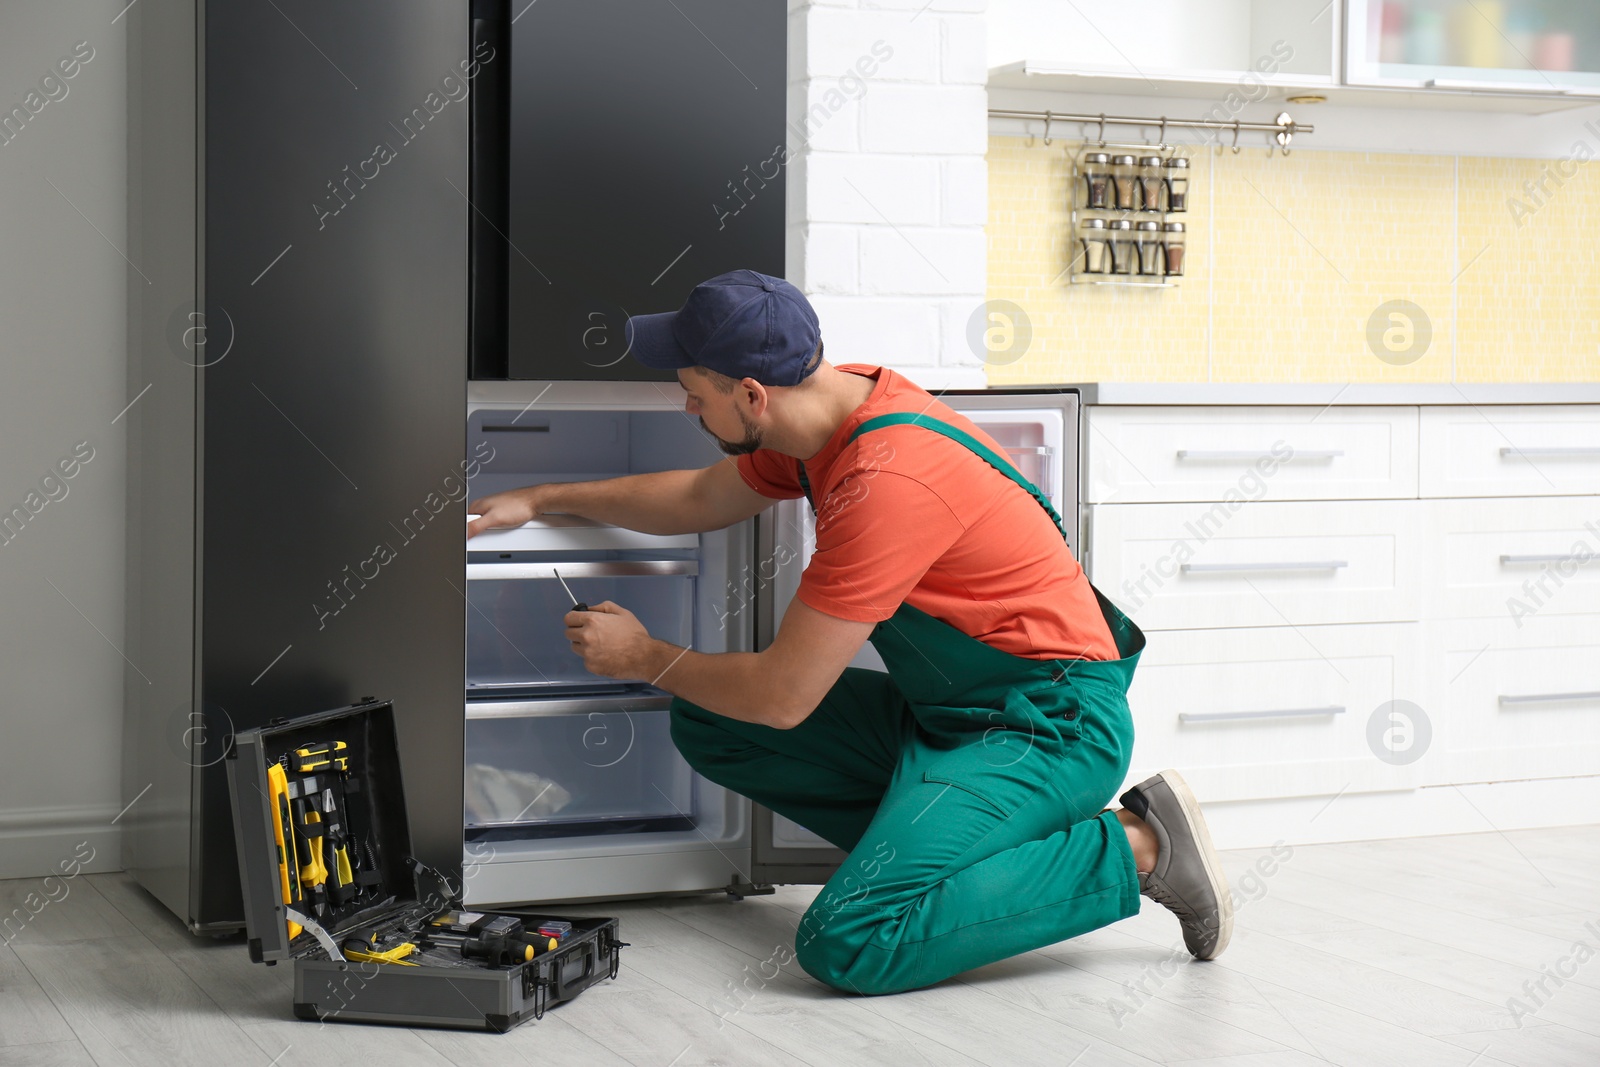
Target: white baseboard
[36, 842]
[1424, 812]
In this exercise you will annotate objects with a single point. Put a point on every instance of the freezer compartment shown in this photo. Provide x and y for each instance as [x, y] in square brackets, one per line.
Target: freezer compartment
[513, 448]
[574, 768]
[516, 636]
[540, 444]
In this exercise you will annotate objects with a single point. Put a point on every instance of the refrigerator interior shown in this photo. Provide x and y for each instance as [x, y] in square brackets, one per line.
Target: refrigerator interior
[573, 787]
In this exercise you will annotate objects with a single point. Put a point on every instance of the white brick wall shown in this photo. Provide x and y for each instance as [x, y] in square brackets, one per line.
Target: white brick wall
[888, 188]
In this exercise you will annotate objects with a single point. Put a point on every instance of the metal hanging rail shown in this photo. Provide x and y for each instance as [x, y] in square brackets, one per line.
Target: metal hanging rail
[1283, 128]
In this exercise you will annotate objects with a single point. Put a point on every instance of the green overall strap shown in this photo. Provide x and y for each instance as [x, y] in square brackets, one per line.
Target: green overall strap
[961, 437]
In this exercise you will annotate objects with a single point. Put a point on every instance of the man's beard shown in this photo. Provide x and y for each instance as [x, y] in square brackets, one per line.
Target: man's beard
[751, 442]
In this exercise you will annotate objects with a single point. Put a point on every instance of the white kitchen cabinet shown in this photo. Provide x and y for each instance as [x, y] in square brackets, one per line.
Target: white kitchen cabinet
[1242, 43]
[1514, 450]
[1513, 699]
[1276, 453]
[1548, 48]
[1511, 557]
[1200, 566]
[1445, 557]
[1274, 711]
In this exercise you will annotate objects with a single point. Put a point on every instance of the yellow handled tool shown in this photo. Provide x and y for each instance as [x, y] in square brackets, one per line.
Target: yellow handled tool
[320, 755]
[313, 873]
[283, 837]
[393, 955]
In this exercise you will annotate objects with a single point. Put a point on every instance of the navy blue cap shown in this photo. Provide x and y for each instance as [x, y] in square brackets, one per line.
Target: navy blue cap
[742, 324]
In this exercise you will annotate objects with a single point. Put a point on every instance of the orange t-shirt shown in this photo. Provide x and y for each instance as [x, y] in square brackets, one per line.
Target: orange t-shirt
[905, 514]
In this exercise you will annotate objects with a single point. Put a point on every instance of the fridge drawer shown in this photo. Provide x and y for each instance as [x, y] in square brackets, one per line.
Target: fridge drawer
[516, 636]
[562, 768]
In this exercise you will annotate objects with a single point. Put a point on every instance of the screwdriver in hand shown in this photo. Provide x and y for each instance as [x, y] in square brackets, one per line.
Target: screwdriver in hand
[577, 605]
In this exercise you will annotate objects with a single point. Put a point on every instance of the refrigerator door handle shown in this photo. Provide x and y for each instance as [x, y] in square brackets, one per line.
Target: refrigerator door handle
[499, 572]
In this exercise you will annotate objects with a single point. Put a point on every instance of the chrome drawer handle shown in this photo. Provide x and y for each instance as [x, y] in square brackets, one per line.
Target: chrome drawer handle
[1510, 561]
[1309, 565]
[500, 572]
[1552, 450]
[1284, 713]
[1310, 453]
[1537, 698]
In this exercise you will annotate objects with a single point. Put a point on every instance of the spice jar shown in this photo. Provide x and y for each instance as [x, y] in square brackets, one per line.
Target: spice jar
[1124, 250]
[1097, 181]
[1177, 169]
[1151, 182]
[1150, 248]
[1096, 247]
[1125, 180]
[1173, 238]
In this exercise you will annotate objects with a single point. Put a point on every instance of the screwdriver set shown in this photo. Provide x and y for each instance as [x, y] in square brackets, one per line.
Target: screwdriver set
[331, 884]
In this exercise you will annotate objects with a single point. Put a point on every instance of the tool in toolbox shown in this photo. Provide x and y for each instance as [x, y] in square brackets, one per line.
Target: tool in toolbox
[308, 825]
[397, 954]
[283, 837]
[500, 940]
[316, 819]
[314, 757]
[328, 870]
[577, 605]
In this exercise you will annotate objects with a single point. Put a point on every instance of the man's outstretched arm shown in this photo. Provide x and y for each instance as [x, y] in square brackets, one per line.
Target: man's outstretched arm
[668, 502]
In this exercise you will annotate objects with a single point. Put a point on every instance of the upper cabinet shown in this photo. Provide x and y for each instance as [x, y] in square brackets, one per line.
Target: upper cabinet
[1523, 46]
[1162, 46]
[1517, 55]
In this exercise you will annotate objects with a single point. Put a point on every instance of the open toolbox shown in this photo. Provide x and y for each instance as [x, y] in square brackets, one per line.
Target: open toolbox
[330, 882]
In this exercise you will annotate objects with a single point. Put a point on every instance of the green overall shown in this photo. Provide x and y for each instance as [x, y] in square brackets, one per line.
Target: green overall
[966, 784]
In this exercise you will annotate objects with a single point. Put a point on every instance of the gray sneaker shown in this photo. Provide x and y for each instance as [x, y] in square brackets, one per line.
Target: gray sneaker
[1188, 878]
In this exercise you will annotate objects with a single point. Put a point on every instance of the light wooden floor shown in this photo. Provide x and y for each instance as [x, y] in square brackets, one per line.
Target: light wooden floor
[1394, 952]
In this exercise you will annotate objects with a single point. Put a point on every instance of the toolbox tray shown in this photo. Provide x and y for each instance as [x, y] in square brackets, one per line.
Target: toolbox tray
[444, 992]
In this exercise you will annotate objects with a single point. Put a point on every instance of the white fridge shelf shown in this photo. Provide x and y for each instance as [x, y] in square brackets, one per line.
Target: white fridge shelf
[569, 533]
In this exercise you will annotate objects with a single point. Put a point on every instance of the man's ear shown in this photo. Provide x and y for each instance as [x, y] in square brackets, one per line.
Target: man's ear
[755, 397]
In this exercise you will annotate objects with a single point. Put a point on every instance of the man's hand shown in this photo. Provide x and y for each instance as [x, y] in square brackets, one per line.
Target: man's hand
[504, 511]
[612, 642]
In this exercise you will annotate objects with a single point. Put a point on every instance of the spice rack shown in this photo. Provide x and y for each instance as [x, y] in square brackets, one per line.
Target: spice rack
[1130, 206]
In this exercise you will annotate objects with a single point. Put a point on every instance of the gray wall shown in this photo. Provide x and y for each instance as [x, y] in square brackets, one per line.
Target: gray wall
[62, 346]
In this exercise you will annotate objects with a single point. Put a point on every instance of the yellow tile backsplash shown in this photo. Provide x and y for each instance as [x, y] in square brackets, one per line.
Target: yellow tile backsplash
[1290, 260]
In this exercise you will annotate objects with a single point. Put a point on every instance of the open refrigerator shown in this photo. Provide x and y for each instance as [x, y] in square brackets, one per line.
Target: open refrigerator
[573, 789]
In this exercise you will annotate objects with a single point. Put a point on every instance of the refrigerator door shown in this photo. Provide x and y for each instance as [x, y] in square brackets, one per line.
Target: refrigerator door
[1039, 431]
[573, 787]
[644, 152]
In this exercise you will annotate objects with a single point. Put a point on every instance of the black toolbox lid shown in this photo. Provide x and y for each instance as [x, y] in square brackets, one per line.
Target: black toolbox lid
[376, 811]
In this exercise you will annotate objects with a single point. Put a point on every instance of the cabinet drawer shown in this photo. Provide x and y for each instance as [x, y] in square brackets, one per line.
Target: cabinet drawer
[1252, 453]
[1197, 566]
[1511, 558]
[1510, 701]
[1275, 712]
[1522, 450]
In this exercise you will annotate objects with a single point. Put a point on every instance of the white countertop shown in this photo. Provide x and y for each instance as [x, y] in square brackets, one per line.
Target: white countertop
[1266, 393]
